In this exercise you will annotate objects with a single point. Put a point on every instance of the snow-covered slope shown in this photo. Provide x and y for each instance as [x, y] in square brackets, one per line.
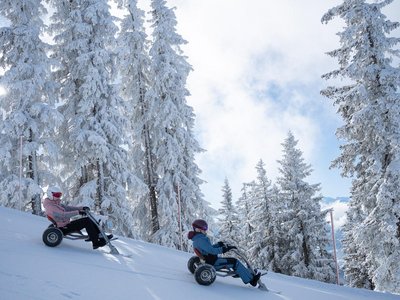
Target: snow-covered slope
[31, 270]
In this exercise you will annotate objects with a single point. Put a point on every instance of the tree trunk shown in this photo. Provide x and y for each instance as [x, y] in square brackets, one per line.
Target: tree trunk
[100, 187]
[33, 174]
[151, 182]
[155, 225]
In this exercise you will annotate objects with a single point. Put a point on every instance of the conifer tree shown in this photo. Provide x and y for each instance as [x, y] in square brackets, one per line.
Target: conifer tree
[29, 117]
[228, 219]
[262, 238]
[133, 65]
[304, 224]
[355, 267]
[172, 142]
[369, 106]
[277, 239]
[95, 169]
[244, 206]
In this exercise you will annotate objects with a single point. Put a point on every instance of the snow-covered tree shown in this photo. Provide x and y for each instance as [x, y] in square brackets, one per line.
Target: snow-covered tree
[228, 218]
[172, 141]
[262, 218]
[370, 105]
[133, 65]
[277, 240]
[355, 267]
[28, 114]
[244, 206]
[303, 223]
[93, 135]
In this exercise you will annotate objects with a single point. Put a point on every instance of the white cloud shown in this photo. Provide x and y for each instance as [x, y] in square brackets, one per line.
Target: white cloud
[257, 74]
[339, 212]
[238, 49]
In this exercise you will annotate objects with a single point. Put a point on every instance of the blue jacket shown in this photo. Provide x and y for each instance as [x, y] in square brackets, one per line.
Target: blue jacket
[202, 243]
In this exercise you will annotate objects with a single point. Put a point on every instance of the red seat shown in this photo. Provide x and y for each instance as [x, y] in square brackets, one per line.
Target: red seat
[52, 220]
[198, 253]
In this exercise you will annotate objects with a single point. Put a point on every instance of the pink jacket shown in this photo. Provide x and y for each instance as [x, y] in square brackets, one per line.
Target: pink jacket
[60, 213]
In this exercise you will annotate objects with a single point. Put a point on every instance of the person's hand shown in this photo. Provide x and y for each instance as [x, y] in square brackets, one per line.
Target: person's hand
[227, 248]
[82, 212]
[86, 208]
[221, 244]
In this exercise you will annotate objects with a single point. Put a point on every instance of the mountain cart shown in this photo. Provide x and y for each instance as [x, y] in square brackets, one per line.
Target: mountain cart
[205, 274]
[54, 235]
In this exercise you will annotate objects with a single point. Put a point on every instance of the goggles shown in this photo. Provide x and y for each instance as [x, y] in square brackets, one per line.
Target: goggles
[56, 194]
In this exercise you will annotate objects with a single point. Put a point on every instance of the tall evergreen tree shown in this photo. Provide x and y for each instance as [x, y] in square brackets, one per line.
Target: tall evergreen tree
[29, 116]
[356, 268]
[304, 224]
[244, 206]
[369, 105]
[95, 168]
[228, 218]
[262, 239]
[172, 141]
[133, 65]
[277, 231]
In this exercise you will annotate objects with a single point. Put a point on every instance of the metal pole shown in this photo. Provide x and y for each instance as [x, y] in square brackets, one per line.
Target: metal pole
[334, 246]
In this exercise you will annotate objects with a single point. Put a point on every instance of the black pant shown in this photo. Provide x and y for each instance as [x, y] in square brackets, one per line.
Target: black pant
[76, 225]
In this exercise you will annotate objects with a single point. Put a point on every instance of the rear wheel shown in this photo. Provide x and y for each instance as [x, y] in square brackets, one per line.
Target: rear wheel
[192, 264]
[52, 236]
[205, 274]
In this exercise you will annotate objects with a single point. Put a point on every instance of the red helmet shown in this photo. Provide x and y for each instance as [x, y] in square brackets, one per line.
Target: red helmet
[200, 224]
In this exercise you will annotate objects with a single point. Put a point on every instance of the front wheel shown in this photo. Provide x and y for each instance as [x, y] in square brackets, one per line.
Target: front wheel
[192, 264]
[205, 274]
[52, 236]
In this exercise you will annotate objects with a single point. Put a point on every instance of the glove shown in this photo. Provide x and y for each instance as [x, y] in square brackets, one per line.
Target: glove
[86, 208]
[227, 248]
[220, 244]
[82, 213]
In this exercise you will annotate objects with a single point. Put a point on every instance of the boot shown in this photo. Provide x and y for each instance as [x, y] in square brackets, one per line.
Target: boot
[255, 279]
[99, 243]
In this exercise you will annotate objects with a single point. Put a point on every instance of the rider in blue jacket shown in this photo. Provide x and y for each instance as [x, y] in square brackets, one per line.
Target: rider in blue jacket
[209, 252]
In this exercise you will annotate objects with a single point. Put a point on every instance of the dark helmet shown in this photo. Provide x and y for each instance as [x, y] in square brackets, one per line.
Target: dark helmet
[200, 224]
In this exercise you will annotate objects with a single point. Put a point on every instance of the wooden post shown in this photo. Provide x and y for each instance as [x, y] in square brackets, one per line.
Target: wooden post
[334, 246]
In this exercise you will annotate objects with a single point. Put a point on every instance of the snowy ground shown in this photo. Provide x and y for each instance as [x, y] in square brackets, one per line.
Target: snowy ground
[31, 270]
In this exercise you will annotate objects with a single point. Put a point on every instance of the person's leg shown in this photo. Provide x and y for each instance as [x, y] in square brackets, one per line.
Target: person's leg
[243, 272]
[81, 223]
[225, 262]
[236, 265]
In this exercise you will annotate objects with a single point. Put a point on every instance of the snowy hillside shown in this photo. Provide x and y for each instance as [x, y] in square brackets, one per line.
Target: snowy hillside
[30, 270]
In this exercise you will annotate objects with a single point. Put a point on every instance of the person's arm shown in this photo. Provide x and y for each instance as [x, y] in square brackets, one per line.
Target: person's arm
[72, 208]
[58, 213]
[205, 247]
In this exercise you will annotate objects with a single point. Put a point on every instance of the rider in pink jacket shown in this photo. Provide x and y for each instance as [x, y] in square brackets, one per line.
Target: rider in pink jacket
[61, 214]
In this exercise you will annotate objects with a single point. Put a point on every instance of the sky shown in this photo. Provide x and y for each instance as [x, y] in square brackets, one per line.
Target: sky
[72, 270]
[257, 69]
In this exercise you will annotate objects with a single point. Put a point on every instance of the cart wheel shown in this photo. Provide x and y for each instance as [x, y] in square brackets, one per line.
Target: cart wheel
[205, 274]
[192, 264]
[52, 236]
